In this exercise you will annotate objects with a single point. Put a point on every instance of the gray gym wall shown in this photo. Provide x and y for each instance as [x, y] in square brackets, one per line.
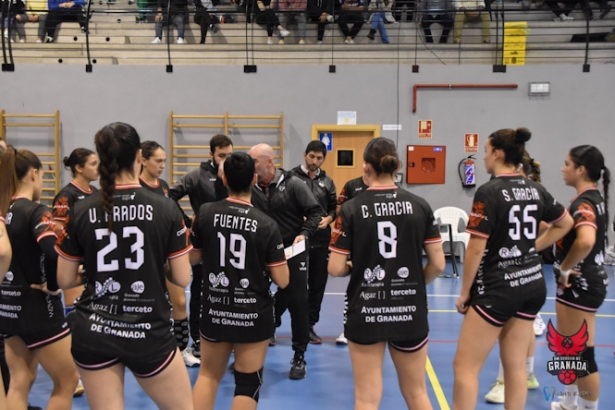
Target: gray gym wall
[578, 111]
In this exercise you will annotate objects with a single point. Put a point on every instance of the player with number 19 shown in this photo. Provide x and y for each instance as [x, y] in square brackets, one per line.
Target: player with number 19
[123, 235]
[503, 284]
[242, 251]
[385, 230]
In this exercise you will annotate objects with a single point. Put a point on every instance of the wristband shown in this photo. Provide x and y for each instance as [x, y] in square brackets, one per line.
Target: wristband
[564, 273]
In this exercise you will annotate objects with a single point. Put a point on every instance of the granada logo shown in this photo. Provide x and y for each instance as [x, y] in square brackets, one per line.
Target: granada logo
[567, 363]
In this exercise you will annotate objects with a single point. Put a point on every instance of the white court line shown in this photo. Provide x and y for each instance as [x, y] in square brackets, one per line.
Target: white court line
[441, 296]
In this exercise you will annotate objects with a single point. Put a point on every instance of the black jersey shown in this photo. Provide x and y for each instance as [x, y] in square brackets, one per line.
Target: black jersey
[25, 310]
[161, 187]
[507, 211]
[587, 208]
[66, 198]
[239, 242]
[351, 189]
[384, 230]
[125, 297]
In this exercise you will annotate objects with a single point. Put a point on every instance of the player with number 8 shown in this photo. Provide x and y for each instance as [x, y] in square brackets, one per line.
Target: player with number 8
[385, 230]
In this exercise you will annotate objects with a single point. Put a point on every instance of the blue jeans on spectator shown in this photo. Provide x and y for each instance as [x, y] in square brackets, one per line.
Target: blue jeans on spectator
[378, 24]
[300, 19]
[177, 20]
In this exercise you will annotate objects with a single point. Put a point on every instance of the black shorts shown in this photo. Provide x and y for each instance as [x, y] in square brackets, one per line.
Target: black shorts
[141, 366]
[498, 317]
[404, 346]
[43, 338]
[587, 292]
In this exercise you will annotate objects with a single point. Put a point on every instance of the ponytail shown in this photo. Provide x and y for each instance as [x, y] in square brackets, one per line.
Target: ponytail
[117, 145]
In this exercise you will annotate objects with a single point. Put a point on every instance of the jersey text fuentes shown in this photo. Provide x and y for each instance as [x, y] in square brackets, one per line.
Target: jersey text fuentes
[235, 222]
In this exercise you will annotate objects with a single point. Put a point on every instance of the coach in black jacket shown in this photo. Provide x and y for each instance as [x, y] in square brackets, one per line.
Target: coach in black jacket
[323, 189]
[202, 185]
[291, 204]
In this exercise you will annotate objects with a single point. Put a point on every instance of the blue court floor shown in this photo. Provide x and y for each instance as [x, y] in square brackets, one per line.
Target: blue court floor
[329, 383]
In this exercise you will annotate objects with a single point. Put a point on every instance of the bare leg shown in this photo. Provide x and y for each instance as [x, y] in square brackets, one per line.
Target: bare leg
[157, 387]
[105, 387]
[411, 379]
[514, 342]
[249, 358]
[22, 368]
[214, 359]
[470, 357]
[367, 371]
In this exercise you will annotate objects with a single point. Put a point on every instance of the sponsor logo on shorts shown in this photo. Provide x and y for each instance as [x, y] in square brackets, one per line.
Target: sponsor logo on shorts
[9, 276]
[109, 285]
[403, 272]
[244, 283]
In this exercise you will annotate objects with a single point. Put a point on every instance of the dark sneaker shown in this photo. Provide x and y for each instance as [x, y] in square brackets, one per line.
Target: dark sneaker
[297, 368]
[196, 349]
[314, 338]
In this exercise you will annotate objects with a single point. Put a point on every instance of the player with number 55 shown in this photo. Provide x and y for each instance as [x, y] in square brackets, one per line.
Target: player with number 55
[503, 285]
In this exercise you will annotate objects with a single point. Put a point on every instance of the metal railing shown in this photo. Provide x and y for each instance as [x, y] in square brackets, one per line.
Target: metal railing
[115, 36]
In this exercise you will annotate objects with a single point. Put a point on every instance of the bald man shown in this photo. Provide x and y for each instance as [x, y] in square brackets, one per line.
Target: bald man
[291, 204]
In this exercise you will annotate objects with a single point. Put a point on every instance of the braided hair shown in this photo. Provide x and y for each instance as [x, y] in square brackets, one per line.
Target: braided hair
[117, 145]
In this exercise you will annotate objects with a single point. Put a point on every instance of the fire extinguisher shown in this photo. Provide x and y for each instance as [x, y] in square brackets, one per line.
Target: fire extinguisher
[467, 172]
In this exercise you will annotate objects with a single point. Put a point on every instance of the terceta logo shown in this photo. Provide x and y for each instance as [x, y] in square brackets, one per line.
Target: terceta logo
[567, 364]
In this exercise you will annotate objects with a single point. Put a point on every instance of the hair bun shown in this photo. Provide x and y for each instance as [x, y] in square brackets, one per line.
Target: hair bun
[66, 161]
[522, 135]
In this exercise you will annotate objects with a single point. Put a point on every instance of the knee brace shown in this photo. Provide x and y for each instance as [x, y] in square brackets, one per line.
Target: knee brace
[248, 384]
[588, 356]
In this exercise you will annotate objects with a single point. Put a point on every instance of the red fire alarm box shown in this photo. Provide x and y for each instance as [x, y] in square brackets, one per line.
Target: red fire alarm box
[425, 164]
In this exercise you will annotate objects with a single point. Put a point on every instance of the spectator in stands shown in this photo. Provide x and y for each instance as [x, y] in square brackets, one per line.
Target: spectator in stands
[471, 11]
[64, 11]
[605, 8]
[17, 18]
[293, 10]
[436, 11]
[206, 17]
[400, 5]
[561, 11]
[378, 8]
[265, 15]
[37, 12]
[352, 12]
[175, 15]
[321, 12]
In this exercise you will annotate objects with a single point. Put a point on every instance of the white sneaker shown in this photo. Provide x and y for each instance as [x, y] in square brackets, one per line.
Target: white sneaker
[567, 18]
[6, 33]
[269, 41]
[319, 42]
[39, 41]
[330, 18]
[341, 340]
[157, 40]
[189, 358]
[556, 405]
[180, 40]
[284, 33]
[539, 325]
[496, 394]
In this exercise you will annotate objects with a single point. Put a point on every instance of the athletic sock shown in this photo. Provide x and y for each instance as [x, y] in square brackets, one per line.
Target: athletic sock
[501, 372]
[587, 405]
[570, 399]
[529, 365]
[182, 333]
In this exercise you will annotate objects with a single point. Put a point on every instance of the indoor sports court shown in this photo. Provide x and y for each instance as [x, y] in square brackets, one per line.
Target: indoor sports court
[329, 383]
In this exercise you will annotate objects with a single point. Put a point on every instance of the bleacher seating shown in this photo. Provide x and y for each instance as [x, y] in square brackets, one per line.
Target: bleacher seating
[116, 38]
